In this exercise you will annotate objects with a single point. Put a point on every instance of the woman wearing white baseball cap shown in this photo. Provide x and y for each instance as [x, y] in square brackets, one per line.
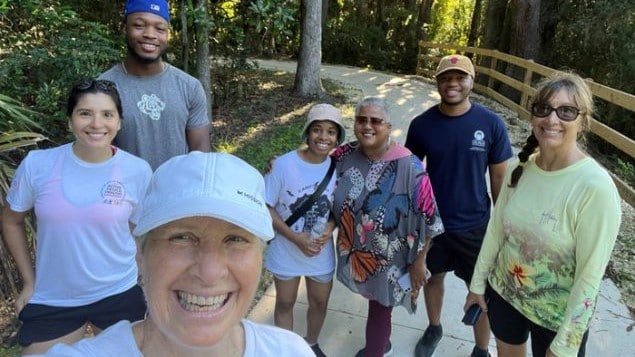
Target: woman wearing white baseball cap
[201, 237]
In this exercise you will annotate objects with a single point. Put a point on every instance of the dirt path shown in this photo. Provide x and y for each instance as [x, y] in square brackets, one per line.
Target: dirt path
[406, 97]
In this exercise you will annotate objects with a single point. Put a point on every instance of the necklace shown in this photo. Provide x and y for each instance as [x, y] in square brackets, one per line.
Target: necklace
[164, 66]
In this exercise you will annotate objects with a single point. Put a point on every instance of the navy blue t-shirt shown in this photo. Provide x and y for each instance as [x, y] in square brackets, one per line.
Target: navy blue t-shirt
[458, 151]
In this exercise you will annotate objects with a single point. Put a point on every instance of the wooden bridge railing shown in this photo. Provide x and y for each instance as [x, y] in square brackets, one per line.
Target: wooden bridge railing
[486, 63]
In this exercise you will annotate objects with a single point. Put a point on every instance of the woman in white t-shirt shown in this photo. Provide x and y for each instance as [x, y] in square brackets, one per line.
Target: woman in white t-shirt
[84, 195]
[304, 247]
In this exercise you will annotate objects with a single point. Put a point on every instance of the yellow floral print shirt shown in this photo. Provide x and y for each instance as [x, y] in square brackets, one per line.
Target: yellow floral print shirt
[547, 246]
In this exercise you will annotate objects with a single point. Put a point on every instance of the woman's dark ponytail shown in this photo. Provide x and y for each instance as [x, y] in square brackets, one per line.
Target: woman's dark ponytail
[523, 156]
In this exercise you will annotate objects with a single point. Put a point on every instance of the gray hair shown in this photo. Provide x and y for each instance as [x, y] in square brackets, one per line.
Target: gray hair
[376, 101]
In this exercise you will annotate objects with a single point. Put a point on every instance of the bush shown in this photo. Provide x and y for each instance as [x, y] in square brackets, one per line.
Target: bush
[39, 65]
[355, 44]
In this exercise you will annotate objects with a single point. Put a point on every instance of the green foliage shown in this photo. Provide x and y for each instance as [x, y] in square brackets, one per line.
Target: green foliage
[274, 21]
[46, 53]
[228, 35]
[390, 42]
[13, 116]
[355, 43]
[596, 39]
[626, 171]
[451, 21]
[16, 122]
[10, 352]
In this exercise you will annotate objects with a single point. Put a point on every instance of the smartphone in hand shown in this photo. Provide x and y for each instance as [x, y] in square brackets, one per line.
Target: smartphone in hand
[471, 315]
[404, 282]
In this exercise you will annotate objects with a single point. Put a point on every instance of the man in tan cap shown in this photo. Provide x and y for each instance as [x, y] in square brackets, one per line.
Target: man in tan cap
[460, 141]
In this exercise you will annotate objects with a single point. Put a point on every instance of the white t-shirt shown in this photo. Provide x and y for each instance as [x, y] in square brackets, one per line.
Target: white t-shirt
[291, 180]
[85, 251]
[118, 340]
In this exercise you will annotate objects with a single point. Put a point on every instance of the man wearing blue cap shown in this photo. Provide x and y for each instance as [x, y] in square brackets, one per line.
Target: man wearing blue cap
[164, 108]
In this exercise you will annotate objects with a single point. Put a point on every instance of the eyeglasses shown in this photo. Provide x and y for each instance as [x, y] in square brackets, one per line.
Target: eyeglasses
[100, 84]
[564, 112]
[359, 120]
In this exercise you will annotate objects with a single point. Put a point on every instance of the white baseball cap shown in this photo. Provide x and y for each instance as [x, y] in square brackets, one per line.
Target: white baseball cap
[199, 184]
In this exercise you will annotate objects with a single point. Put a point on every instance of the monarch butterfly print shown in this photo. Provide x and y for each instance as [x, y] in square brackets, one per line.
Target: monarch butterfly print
[363, 263]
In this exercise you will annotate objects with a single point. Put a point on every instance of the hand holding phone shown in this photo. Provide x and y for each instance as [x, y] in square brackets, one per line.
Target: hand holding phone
[404, 282]
[471, 315]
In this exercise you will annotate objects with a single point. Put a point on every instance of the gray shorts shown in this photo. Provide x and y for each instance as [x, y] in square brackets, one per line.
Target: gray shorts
[325, 278]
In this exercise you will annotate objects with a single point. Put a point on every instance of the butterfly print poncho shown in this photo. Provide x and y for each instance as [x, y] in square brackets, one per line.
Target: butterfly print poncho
[385, 211]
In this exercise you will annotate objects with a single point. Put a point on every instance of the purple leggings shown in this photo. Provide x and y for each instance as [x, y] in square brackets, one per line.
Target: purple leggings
[378, 328]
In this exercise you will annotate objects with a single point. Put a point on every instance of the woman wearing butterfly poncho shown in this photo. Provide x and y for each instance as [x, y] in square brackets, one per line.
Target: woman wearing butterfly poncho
[386, 216]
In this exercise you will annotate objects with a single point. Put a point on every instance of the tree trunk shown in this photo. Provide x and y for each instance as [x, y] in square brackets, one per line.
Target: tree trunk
[424, 19]
[362, 9]
[185, 41]
[411, 5]
[307, 76]
[379, 15]
[325, 12]
[203, 65]
[524, 39]
[551, 12]
[475, 24]
[494, 23]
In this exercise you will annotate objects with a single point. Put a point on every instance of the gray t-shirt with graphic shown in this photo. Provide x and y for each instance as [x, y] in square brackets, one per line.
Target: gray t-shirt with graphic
[156, 112]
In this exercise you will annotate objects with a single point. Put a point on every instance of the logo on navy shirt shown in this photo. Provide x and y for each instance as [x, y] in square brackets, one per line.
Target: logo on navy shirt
[478, 143]
[113, 193]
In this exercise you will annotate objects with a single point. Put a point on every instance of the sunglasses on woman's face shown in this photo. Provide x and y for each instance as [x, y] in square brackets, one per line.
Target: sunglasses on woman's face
[360, 120]
[101, 84]
[564, 112]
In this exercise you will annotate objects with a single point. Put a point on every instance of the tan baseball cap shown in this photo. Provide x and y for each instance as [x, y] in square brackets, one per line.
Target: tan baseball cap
[455, 62]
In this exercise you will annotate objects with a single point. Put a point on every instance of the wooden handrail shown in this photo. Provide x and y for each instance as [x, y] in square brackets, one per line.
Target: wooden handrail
[526, 91]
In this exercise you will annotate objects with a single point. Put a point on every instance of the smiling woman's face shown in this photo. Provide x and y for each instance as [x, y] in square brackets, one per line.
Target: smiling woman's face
[371, 129]
[200, 275]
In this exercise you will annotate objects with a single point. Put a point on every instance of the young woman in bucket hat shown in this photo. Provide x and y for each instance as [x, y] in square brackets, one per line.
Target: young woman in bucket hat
[304, 247]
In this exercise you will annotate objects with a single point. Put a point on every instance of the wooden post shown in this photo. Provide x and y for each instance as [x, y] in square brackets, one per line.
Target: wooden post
[527, 80]
[492, 65]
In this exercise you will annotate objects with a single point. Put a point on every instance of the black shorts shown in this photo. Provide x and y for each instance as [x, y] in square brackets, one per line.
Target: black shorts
[42, 323]
[512, 327]
[456, 251]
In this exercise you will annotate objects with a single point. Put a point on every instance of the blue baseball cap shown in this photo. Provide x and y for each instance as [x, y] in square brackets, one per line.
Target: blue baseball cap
[157, 7]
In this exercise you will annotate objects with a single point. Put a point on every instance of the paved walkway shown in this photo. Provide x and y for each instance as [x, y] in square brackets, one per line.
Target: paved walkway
[343, 333]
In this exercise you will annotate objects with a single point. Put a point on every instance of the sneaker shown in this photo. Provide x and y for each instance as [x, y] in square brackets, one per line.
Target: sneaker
[387, 351]
[477, 352]
[317, 350]
[429, 341]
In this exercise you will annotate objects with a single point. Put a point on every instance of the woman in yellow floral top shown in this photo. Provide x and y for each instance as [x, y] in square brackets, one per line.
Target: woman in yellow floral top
[552, 232]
